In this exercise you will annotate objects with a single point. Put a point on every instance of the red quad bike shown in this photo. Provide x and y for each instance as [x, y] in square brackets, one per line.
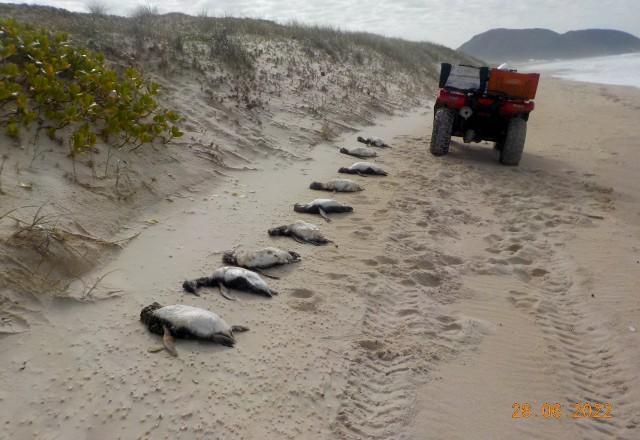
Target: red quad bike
[483, 104]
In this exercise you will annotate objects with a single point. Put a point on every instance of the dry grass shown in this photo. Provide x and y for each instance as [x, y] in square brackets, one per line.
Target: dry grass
[327, 132]
[41, 257]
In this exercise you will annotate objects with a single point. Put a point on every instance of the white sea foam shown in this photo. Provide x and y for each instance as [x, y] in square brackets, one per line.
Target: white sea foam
[621, 70]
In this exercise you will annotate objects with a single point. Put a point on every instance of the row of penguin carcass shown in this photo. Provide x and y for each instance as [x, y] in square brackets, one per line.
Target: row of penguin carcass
[243, 268]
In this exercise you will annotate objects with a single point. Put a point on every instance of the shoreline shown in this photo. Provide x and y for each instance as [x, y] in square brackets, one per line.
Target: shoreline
[592, 70]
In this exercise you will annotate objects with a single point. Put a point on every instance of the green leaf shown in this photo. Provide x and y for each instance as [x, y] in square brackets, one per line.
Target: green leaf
[175, 132]
[12, 130]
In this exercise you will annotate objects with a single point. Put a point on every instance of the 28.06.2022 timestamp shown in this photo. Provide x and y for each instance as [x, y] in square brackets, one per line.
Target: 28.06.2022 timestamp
[546, 410]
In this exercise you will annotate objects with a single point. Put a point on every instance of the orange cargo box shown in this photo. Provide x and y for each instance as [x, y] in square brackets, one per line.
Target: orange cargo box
[517, 85]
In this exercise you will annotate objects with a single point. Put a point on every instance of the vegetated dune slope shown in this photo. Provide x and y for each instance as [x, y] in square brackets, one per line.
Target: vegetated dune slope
[247, 89]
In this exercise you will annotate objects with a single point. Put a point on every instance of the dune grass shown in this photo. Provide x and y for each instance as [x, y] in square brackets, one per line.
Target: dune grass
[223, 33]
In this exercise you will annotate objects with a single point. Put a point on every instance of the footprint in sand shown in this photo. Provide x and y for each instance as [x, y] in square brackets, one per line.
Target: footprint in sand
[307, 306]
[514, 248]
[371, 345]
[423, 262]
[519, 260]
[539, 272]
[426, 279]
[302, 293]
[336, 276]
[382, 259]
[401, 235]
[522, 300]
[522, 275]
[304, 306]
[443, 193]
[360, 234]
[498, 262]
[449, 323]
[450, 260]
[407, 312]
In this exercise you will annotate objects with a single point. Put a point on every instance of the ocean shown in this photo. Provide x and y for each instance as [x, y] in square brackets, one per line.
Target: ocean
[621, 70]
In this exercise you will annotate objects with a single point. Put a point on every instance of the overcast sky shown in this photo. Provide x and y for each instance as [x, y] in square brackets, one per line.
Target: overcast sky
[449, 22]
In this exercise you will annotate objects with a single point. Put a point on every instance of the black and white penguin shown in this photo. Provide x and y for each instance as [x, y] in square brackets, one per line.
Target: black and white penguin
[233, 278]
[361, 152]
[374, 142]
[186, 322]
[322, 207]
[301, 232]
[364, 168]
[259, 259]
[336, 185]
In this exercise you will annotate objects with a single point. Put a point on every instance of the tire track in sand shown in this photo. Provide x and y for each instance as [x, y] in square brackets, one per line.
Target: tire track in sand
[585, 357]
[450, 222]
[529, 216]
[406, 328]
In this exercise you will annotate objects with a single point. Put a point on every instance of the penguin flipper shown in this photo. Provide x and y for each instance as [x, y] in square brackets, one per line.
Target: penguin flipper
[298, 239]
[169, 342]
[225, 293]
[239, 328]
[324, 215]
[258, 271]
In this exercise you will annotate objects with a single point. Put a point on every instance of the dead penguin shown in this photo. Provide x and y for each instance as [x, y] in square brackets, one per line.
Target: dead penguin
[360, 152]
[337, 185]
[231, 277]
[322, 207]
[182, 321]
[301, 232]
[363, 168]
[259, 258]
[374, 142]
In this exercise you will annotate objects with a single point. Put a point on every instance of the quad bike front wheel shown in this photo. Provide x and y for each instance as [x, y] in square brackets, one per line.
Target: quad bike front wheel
[442, 128]
[512, 146]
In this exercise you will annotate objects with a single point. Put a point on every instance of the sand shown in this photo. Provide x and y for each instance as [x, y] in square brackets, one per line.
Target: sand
[552, 263]
[457, 288]
[81, 210]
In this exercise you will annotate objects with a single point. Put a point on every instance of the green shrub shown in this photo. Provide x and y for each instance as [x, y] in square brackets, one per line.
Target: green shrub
[46, 81]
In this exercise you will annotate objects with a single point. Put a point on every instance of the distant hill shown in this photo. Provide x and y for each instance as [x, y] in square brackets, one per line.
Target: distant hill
[524, 44]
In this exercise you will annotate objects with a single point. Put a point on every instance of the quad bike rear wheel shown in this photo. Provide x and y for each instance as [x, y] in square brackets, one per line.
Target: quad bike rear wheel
[512, 146]
[442, 128]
